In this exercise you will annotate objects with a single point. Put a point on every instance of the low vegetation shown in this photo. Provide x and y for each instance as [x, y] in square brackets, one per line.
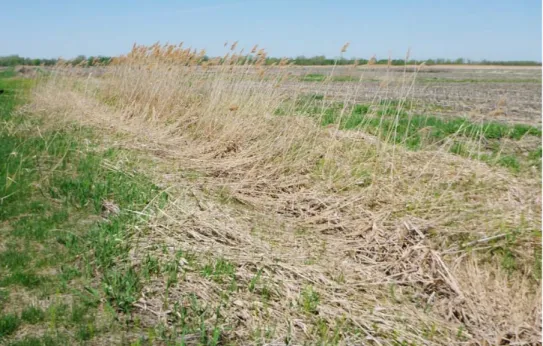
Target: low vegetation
[68, 206]
[397, 122]
[176, 199]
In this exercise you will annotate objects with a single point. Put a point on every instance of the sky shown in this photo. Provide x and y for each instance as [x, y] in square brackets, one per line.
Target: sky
[472, 29]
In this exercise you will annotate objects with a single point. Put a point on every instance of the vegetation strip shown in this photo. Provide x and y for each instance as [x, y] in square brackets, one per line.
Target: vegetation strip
[67, 209]
[397, 122]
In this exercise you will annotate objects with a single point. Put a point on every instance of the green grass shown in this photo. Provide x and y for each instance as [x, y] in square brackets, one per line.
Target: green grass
[60, 248]
[309, 300]
[46, 340]
[32, 315]
[396, 122]
[8, 73]
[52, 187]
[534, 157]
[218, 270]
[122, 288]
[14, 259]
[8, 325]
[510, 162]
[392, 119]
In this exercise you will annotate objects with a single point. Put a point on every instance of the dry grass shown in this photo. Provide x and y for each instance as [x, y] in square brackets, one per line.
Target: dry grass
[351, 241]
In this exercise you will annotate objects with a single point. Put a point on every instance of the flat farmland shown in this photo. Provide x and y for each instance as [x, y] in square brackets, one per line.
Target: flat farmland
[510, 94]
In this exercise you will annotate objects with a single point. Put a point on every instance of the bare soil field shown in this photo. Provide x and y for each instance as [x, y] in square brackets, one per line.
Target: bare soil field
[511, 94]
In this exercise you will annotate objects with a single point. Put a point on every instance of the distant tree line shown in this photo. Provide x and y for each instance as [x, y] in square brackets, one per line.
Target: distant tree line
[319, 60]
[14, 60]
[322, 60]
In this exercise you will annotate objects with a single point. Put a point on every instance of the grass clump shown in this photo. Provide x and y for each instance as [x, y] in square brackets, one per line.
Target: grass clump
[14, 259]
[32, 315]
[309, 300]
[218, 270]
[8, 325]
[122, 288]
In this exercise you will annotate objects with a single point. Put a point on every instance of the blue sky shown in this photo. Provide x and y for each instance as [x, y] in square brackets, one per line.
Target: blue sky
[474, 29]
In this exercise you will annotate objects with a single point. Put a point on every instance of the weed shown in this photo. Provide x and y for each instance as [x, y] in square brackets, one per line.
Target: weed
[14, 259]
[151, 267]
[8, 73]
[509, 162]
[390, 121]
[254, 280]
[122, 288]
[85, 332]
[317, 77]
[32, 315]
[23, 278]
[313, 77]
[459, 148]
[4, 295]
[537, 264]
[218, 269]
[534, 157]
[309, 300]
[8, 324]
[339, 278]
[45, 340]
[68, 273]
[79, 313]
[171, 269]
[473, 80]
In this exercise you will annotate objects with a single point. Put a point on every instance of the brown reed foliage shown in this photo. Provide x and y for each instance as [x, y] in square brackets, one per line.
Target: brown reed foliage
[397, 245]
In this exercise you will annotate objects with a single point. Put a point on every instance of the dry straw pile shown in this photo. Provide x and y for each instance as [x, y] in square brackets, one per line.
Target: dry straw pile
[334, 235]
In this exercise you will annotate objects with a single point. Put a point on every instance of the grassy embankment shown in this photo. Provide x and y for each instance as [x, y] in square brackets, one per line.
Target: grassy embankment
[67, 207]
[280, 230]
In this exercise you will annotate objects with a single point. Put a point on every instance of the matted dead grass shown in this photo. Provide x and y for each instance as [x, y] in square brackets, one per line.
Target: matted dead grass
[334, 239]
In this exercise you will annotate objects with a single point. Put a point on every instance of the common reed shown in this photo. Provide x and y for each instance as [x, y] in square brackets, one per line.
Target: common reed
[358, 239]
